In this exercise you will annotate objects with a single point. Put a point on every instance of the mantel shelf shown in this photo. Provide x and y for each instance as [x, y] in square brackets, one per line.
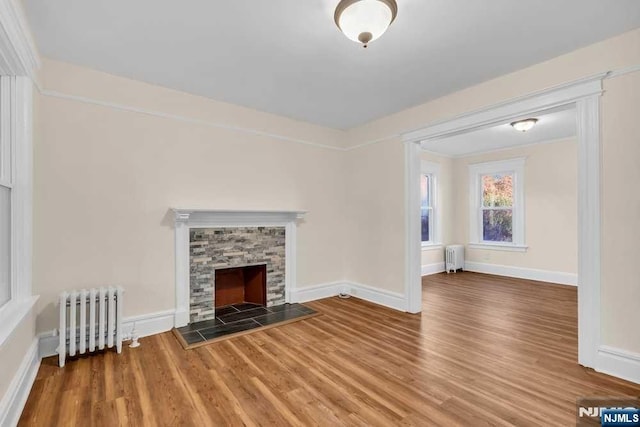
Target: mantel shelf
[226, 215]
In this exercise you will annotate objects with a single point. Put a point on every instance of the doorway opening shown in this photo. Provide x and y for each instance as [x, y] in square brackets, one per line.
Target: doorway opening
[584, 97]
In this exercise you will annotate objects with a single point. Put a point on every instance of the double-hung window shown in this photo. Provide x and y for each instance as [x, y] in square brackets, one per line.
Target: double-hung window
[6, 191]
[497, 205]
[430, 235]
[16, 300]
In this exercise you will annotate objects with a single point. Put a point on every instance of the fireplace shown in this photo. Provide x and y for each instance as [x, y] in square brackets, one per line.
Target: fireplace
[238, 285]
[208, 241]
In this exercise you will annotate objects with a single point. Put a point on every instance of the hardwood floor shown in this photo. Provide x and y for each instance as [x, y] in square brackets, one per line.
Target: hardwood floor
[485, 351]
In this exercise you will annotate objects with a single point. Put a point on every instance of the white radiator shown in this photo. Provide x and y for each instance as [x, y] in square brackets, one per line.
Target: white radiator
[89, 321]
[454, 258]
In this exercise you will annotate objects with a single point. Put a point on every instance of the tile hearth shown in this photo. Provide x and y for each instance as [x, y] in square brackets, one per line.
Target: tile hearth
[236, 318]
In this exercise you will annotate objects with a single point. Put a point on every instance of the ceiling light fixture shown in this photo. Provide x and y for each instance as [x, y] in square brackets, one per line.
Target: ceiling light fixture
[524, 125]
[364, 21]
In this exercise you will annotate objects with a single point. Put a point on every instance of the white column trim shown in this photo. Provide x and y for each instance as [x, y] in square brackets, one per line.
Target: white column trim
[589, 187]
[413, 246]
[185, 219]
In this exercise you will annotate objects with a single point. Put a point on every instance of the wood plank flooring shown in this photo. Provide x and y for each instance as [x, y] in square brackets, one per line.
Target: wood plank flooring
[485, 351]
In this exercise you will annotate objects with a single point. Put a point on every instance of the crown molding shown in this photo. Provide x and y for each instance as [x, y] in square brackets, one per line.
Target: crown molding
[623, 71]
[18, 52]
[185, 119]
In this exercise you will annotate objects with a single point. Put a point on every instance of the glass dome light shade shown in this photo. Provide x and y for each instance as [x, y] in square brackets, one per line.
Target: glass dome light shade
[524, 125]
[365, 20]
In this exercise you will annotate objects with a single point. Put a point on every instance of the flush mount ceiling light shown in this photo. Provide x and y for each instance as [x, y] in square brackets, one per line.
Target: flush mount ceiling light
[524, 125]
[364, 21]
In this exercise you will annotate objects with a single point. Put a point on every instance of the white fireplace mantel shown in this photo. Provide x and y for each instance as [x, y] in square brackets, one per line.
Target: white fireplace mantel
[185, 219]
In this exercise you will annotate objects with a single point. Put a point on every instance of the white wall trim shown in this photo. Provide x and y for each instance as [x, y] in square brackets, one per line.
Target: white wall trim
[435, 268]
[185, 219]
[394, 300]
[556, 277]
[589, 228]
[177, 117]
[15, 398]
[19, 53]
[412, 228]
[373, 142]
[426, 247]
[382, 297]
[316, 292]
[145, 325]
[619, 363]
[585, 95]
[622, 71]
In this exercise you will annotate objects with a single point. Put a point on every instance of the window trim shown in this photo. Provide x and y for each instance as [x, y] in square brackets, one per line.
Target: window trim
[476, 171]
[435, 221]
[17, 112]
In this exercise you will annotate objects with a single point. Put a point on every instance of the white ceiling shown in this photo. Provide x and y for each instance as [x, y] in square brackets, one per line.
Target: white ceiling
[551, 126]
[287, 56]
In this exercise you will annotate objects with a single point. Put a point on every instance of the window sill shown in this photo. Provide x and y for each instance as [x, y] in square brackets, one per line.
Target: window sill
[431, 246]
[12, 314]
[498, 247]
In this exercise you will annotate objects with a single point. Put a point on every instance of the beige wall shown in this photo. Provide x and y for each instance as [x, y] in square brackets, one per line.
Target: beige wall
[621, 213]
[14, 350]
[374, 232]
[619, 140]
[105, 179]
[551, 207]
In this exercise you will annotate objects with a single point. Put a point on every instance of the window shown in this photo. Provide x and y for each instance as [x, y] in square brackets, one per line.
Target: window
[16, 300]
[5, 245]
[497, 204]
[497, 207]
[6, 181]
[428, 205]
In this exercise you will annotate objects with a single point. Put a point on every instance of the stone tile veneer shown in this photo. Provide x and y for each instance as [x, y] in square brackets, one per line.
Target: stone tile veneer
[215, 248]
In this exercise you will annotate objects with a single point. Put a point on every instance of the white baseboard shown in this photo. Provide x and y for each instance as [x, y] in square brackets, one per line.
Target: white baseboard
[436, 268]
[383, 297]
[619, 363]
[15, 398]
[378, 296]
[148, 324]
[523, 273]
[312, 293]
[145, 325]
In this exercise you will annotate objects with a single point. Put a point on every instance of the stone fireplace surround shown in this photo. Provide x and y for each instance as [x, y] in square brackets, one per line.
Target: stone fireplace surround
[212, 249]
[187, 220]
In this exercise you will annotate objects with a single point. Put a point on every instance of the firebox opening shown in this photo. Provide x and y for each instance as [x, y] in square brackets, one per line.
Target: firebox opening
[238, 285]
